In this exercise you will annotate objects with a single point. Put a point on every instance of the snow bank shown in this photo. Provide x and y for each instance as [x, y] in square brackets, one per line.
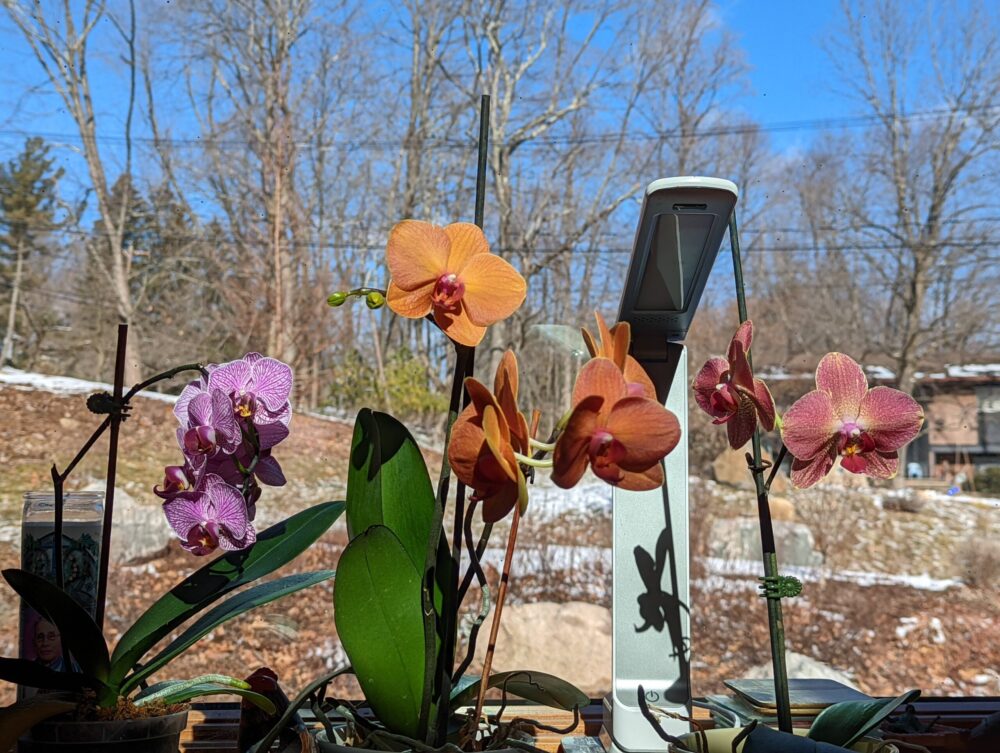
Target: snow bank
[58, 385]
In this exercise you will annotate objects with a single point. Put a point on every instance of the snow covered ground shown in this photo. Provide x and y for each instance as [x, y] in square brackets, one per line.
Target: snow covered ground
[58, 385]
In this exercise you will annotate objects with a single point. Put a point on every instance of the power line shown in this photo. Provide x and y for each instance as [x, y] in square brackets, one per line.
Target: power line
[841, 122]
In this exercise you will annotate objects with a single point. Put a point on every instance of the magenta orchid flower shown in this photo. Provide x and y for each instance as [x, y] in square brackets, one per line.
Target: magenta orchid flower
[259, 388]
[211, 517]
[727, 390]
[842, 418]
[211, 426]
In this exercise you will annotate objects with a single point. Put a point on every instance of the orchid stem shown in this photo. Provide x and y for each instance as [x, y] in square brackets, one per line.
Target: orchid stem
[775, 621]
[782, 453]
[544, 446]
[533, 461]
[495, 627]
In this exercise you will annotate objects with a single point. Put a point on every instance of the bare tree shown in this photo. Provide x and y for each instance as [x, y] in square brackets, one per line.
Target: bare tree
[919, 208]
[60, 45]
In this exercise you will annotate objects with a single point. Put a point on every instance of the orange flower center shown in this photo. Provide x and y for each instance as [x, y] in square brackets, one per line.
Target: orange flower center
[448, 292]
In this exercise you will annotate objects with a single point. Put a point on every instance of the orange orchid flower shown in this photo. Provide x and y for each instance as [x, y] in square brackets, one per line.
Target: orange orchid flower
[620, 435]
[484, 439]
[614, 346]
[450, 271]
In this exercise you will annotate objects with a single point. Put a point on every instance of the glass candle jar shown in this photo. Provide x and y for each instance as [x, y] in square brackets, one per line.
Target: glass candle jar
[83, 521]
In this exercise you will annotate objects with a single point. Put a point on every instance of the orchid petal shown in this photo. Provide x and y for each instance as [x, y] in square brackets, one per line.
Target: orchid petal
[710, 376]
[192, 390]
[464, 446]
[890, 417]
[843, 378]
[808, 426]
[635, 374]
[493, 289]
[740, 427]
[601, 378]
[741, 375]
[200, 409]
[417, 253]
[642, 481]
[272, 382]
[499, 504]
[569, 460]
[884, 465]
[467, 240]
[268, 471]
[412, 304]
[646, 429]
[764, 403]
[270, 435]
[622, 338]
[459, 327]
[806, 473]
[182, 514]
[232, 378]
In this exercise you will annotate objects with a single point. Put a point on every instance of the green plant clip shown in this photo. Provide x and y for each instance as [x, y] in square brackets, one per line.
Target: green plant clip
[780, 586]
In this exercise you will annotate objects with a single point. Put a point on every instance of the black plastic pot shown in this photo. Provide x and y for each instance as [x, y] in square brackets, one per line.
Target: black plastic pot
[157, 734]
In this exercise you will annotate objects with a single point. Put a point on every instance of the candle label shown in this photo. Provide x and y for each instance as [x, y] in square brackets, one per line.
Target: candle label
[40, 639]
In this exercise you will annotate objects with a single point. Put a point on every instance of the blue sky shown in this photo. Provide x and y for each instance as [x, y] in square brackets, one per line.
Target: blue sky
[790, 73]
[781, 39]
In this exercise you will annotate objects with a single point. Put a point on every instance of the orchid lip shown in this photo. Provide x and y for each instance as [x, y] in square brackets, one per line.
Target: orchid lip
[448, 291]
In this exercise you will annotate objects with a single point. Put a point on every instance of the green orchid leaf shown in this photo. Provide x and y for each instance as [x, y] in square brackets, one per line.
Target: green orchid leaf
[537, 687]
[295, 705]
[34, 675]
[845, 723]
[17, 719]
[244, 601]
[274, 547]
[388, 484]
[182, 691]
[379, 617]
[80, 636]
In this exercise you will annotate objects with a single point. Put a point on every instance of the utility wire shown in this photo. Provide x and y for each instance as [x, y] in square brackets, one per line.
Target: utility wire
[841, 122]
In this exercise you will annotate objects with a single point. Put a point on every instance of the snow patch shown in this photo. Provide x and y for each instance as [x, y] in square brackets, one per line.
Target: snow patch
[923, 582]
[58, 385]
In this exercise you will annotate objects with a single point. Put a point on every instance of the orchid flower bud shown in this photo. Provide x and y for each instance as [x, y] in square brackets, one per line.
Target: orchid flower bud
[375, 300]
[336, 299]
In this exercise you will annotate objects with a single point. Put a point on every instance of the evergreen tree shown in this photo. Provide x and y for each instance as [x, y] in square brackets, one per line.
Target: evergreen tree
[28, 205]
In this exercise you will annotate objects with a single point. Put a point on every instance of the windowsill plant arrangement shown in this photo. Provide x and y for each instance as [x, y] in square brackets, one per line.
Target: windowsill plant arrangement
[399, 588]
[230, 419]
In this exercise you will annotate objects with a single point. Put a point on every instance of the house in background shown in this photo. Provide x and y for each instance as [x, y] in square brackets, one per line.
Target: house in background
[961, 435]
[962, 431]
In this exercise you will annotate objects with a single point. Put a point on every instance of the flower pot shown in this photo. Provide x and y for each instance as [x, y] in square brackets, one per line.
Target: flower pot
[155, 734]
[721, 741]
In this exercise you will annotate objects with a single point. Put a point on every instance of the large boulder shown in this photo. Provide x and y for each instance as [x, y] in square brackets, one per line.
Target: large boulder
[140, 530]
[802, 667]
[730, 467]
[739, 539]
[571, 640]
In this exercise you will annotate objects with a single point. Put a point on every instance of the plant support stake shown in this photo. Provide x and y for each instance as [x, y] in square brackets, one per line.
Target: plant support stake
[776, 625]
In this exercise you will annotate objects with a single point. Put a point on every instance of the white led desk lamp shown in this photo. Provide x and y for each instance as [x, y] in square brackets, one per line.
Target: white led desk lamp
[681, 227]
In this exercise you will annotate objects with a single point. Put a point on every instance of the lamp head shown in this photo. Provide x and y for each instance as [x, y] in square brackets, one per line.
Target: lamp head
[681, 226]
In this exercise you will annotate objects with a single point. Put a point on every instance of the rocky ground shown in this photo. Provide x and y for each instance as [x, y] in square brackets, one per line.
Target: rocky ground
[884, 635]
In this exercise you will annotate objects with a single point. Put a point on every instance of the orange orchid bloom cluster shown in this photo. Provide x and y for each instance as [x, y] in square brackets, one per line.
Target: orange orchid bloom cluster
[484, 439]
[449, 272]
[620, 434]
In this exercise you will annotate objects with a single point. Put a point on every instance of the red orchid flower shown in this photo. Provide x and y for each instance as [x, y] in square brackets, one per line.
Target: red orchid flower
[727, 390]
[614, 345]
[450, 271]
[621, 436]
[484, 439]
[843, 418]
